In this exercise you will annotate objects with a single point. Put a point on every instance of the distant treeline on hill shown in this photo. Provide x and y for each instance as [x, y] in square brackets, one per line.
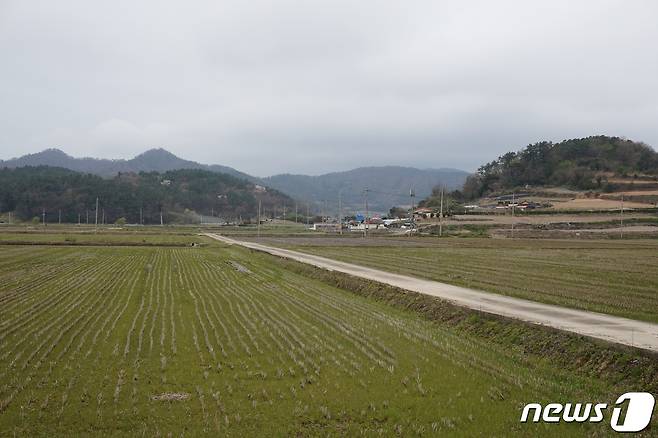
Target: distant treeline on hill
[27, 191]
[583, 164]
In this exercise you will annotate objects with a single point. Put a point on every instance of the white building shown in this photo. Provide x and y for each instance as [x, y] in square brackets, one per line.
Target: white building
[369, 227]
[326, 226]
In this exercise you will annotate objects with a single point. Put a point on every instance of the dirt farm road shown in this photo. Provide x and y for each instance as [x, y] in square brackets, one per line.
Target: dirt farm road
[596, 325]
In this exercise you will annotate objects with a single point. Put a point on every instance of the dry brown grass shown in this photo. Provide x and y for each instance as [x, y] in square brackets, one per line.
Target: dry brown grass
[632, 181]
[596, 204]
[171, 396]
[637, 193]
[537, 219]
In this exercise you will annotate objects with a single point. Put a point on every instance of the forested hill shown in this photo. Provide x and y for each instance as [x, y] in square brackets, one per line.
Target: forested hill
[585, 164]
[26, 191]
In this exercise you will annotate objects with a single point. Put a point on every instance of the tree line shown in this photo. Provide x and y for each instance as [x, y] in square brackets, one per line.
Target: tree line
[178, 194]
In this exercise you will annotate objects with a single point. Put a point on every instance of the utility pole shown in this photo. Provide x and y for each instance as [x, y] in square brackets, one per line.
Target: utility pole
[365, 221]
[513, 205]
[340, 211]
[103, 220]
[60, 216]
[79, 219]
[412, 194]
[161, 218]
[10, 218]
[43, 214]
[87, 213]
[621, 218]
[441, 215]
[141, 217]
[259, 218]
[96, 212]
[308, 214]
[284, 212]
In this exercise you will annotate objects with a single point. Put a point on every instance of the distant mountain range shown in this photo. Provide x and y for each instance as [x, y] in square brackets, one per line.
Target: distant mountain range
[387, 186]
[153, 160]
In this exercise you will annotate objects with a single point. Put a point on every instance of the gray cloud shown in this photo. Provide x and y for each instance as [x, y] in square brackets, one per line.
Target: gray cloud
[314, 86]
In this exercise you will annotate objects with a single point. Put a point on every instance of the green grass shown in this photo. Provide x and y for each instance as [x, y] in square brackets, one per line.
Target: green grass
[103, 237]
[278, 228]
[619, 278]
[89, 336]
[175, 235]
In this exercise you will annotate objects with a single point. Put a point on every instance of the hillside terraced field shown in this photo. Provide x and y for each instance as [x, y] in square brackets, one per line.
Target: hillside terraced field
[217, 340]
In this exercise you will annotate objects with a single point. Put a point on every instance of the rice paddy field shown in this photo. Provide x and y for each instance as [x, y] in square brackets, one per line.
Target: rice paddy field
[70, 235]
[615, 277]
[217, 340]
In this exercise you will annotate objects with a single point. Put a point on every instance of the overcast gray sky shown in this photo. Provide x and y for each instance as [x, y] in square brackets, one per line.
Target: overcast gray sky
[314, 86]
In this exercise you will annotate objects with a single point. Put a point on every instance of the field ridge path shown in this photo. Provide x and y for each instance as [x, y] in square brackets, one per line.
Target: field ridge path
[610, 328]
